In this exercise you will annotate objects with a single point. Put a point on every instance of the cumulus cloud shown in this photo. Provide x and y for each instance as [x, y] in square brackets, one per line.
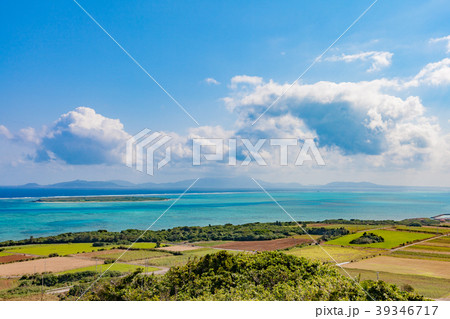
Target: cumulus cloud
[212, 81]
[437, 73]
[378, 59]
[81, 137]
[446, 40]
[351, 118]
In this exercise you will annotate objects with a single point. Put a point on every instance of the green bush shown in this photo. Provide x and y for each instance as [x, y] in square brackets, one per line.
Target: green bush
[261, 276]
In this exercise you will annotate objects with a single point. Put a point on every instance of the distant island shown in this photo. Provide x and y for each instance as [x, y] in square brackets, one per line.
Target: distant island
[98, 199]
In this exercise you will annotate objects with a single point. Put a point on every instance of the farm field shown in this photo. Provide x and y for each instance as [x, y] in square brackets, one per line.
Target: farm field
[430, 287]
[211, 243]
[264, 245]
[102, 267]
[411, 253]
[430, 247]
[3, 253]
[47, 249]
[340, 254]
[431, 268]
[97, 253]
[351, 228]
[178, 248]
[54, 264]
[142, 245]
[425, 229]
[12, 258]
[134, 255]
[7, 283]
[391, 239]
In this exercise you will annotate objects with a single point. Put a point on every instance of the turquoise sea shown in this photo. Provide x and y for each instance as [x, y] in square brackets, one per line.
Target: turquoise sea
[22, 218]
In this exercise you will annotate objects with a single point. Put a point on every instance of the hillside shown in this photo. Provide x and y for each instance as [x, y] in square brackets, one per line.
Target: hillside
[261, 276]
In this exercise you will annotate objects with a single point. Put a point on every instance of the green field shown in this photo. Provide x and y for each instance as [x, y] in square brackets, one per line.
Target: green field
[350, 227]
[340, 254]
[441, 240]
[391, 239]
[135, 255]
[61, 249]
[140, 245]
[421, 255]
[3, 253]
[428, 286]
[431, 230]
[431, 247]
[102, 267]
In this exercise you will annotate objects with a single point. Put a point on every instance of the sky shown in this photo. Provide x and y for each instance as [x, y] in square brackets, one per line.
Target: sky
[376, 103]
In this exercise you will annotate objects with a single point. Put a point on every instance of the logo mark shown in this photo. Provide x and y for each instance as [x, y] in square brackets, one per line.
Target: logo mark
[141, 148]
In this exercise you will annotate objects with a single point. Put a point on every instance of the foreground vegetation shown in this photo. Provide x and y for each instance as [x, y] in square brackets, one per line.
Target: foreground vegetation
[367, 249]
[261, 276]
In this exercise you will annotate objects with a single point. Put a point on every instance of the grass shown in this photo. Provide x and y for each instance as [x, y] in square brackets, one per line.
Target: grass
[350, 228]
[102, 267]
[428, 286]
[140, 245]
[420, 255]
[7, 283]
[211, 243]
[441, 240]
[431, 248]
[391, 239]
[61, 249]
[405, 266]
[431, 230]
[340, 254]
[3, 253]
[135, 255]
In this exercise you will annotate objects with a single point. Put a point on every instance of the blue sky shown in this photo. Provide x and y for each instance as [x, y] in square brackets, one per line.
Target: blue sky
[55, 59]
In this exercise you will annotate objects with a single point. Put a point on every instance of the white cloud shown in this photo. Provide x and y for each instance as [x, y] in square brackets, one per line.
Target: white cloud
[212, 81]
[354, 119]
[442, 39]
[30, 135]
[5, 132]
[245, 79]
[379, 59]
[81, 137]
[437, 73]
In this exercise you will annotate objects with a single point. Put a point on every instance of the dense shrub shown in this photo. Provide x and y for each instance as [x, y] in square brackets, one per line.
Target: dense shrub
[261, 276]
[367, 238]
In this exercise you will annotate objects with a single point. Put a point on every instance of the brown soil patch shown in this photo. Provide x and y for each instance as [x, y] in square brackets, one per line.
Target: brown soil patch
[98, 253]
[179, 248]
[7, 283]
[263, 245]
[55, 264]
[12, 258]
[423, 267]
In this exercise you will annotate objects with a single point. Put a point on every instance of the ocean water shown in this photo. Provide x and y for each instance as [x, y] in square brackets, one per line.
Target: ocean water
[21, 218]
